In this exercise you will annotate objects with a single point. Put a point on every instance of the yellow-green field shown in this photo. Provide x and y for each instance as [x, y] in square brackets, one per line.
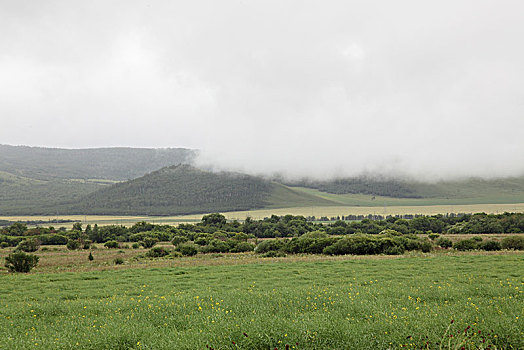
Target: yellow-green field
[260, 214]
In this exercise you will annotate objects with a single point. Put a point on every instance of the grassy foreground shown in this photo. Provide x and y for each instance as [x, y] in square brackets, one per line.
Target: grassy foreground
[374, 303]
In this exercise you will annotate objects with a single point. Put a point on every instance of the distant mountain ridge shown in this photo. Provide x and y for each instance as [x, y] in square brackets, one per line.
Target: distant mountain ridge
[36, 180]
[116, 163]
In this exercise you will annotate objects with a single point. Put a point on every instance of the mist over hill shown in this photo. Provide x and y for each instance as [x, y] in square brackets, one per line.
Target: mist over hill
[132, 181]
[115, 163]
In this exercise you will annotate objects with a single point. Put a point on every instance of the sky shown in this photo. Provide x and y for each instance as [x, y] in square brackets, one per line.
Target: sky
[430, 90]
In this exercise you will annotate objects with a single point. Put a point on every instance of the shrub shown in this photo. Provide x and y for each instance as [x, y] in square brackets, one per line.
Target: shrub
[179, 240]
[270, 245]
[73, 244]
[111, 244]
[465, 244]
[149, 242]
[90, 257]
[444, 242]
[52, 239]
[29, 245]
[86, 244]
[202, 240]
[433, 236]
[426, 246]
[119, 261]
[157, 252]
[390, 232]
[187, 249]
[4, 245]
[216, 246]
[274, 254]
[513, 242]
[21, 262]
[490, 245]
[243, 247]
[135, 245]
[394, 250]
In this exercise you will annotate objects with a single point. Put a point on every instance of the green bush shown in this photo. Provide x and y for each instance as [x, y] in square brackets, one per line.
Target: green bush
[179, 240]
[135, 245]
[243, 247]
[86, 244]
[215, 246]
[394, 250]
[444, 242]
[433, 236]
[21, 262]
[149, 242]
[119, 261]
[390, 232]
[111, 244]
[466, 244]
[157, 252]
[73, 244]
[52, 239]
[270, 245]
[490, 245]
[90, 256]
[426, 247]
[29, 245]
[513, 242]
[187, 249]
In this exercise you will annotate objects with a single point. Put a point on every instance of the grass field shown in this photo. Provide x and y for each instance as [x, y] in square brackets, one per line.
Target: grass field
[306, 302]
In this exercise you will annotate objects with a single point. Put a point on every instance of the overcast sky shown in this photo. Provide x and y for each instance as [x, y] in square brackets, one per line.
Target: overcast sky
[321, 88]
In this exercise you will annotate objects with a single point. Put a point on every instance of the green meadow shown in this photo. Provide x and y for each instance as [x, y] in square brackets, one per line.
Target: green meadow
[422, 301]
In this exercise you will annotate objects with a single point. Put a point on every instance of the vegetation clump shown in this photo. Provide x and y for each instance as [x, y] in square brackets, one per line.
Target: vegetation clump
[157, 252]
[513, 242]
[111, 244]
[21, 262]
[29, 245]
[188, 249]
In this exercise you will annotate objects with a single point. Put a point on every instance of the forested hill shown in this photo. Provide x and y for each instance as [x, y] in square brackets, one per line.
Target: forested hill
[363, 185]
[117, 163]
[403, 188]
[180, 189]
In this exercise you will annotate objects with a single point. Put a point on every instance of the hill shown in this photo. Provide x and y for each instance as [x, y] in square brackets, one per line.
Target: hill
[58, 181]
[180, 189]
[35, 180]
[117, 163]
[411, 189]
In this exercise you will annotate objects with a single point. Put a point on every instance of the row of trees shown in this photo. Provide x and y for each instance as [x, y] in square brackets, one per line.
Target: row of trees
[271, 227]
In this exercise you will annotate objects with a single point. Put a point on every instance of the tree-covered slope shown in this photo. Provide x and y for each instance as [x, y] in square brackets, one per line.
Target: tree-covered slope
[115, 163]
[180, 189]
[404, 188]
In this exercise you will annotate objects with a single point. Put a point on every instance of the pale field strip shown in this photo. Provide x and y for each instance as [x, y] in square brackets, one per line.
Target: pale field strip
[318, 212]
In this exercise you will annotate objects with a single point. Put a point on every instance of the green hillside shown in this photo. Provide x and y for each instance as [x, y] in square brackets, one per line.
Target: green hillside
[34, 180]
[173, 190]
[397, 188]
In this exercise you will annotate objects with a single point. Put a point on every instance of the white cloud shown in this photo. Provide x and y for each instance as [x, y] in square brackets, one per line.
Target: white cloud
[317, 88]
